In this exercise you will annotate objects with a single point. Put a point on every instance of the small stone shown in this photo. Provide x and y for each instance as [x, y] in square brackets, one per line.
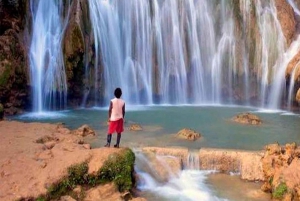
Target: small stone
[50, 144]
[87, 146]
[84, 130]
[188, 134]
[135, 127]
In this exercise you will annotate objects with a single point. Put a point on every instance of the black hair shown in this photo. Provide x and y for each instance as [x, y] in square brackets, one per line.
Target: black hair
[118, 92]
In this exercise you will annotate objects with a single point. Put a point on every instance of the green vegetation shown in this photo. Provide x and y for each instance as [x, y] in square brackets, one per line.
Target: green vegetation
[279, 191]
[117, 169]
[5, 76]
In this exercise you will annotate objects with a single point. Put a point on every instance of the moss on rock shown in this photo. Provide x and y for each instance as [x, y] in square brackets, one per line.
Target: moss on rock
[280, 191]
[118, 168]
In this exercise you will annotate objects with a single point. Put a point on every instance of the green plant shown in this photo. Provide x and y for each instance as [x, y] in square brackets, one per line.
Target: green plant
[279, 191]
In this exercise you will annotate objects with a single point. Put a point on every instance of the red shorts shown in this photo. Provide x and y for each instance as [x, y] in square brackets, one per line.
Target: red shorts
[115, 126]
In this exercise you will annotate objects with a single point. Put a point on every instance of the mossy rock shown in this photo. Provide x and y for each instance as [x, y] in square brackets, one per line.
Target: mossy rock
[118, 168]
[280, 191]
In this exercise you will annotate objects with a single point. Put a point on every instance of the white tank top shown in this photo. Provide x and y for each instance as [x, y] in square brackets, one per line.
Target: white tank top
[117, 109]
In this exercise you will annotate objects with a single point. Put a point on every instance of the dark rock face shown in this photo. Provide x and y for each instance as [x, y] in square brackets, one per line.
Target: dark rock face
[13, 59]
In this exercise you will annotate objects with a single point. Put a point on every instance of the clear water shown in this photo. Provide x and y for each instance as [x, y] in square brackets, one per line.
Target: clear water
[161, 123]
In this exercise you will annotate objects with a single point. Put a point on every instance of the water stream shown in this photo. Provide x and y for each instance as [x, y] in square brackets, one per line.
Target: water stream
[190, 183]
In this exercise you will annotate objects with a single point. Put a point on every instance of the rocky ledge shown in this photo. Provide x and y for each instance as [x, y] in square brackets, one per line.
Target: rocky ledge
[45, 162]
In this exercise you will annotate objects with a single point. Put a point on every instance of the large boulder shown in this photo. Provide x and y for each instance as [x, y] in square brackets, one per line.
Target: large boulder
[281, 168]
[188, 134]
[247, 118]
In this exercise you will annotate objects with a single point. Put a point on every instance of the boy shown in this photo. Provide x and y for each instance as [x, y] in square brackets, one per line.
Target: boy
[116, 114]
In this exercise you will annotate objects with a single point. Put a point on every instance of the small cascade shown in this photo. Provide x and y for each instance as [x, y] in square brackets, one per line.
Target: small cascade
[189, 184]
[193, 162]
[47, 71]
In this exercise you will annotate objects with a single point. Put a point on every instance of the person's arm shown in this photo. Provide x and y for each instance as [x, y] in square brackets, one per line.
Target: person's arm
[109, 111]
[123, 110]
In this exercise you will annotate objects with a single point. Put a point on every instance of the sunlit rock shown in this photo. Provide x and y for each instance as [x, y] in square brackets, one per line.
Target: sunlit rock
[106, 192]
[188, 134]
[247, 118]
[281, 167]
[84, 130]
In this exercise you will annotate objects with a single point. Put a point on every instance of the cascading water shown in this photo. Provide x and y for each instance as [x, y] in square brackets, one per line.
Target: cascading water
[122, 31]
[189, 184]
[48, 79]
[169, 52]
[194, 51]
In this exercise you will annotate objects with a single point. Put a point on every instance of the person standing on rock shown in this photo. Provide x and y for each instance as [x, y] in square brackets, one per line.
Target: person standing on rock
[116, 114]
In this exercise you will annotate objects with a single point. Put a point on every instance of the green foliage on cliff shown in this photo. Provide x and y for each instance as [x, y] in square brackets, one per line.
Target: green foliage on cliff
[280, 191]
[4, 77]
[117, 169]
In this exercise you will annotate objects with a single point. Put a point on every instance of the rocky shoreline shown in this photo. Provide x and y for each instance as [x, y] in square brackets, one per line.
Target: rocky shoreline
[41, 161]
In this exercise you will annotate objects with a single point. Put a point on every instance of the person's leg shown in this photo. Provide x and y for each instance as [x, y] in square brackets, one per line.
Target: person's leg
[118, 140]
[108, 140]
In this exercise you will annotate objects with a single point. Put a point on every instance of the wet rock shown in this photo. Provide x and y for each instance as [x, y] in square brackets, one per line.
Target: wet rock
[188, 134]
[298, 96]
[83, 131]
[247, 118]
[135, 127]
[286, 17]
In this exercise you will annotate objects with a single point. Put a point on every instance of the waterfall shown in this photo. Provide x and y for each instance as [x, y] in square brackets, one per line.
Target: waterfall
[193, 51]
[193, 162]
[47, 71]
[168, 52]
[122, 31]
